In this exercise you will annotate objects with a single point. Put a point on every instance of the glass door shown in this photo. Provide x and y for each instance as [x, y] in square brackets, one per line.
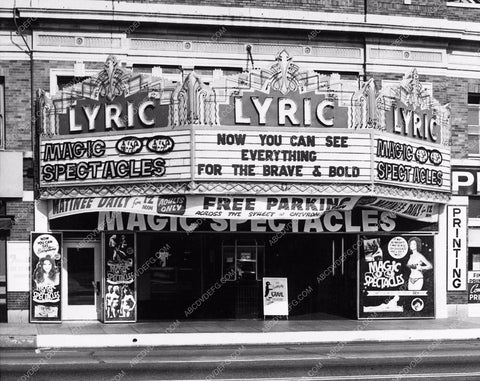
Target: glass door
[81, 280]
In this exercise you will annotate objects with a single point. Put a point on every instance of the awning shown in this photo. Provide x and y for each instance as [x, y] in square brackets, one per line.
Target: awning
[240, 207]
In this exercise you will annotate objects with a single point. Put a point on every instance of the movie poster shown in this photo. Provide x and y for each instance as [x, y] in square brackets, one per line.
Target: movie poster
[396, 277]
[120, 291]
[45, 296]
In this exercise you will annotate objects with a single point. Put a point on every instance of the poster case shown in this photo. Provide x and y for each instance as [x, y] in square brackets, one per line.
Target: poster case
[119, 291]
[275, 296]
[45, 277]
[396, 276]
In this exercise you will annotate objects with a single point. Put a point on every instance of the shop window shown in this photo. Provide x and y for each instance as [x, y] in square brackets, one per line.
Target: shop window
[474, 207]
[474, 124]
[2, 114]
[474, 258]
[242, 258]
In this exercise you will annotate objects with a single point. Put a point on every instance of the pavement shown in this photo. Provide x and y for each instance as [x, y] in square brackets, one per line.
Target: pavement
[84, 334]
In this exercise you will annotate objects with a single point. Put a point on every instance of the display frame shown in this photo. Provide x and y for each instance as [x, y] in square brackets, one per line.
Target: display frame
[431, 279]
[104, 282]
[57, 288]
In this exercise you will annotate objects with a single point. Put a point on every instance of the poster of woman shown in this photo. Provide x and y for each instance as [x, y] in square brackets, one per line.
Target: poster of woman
[45, 277]
[396, 277]
[417, 264]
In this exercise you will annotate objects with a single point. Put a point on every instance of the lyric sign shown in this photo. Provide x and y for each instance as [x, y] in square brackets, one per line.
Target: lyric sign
[275, 109]
[46, 266]
[396, 277]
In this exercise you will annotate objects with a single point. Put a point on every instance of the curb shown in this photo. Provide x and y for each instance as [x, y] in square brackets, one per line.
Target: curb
[250, 338]
[17, 341]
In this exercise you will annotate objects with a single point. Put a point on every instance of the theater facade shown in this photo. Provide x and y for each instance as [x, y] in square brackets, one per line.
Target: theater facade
[178, 200]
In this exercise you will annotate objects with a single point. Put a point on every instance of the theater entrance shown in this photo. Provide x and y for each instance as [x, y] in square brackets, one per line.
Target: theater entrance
[218, 275]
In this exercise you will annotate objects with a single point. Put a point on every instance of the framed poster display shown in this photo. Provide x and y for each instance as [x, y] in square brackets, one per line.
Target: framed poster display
[45, 277]
[396, 277]
[120, 294]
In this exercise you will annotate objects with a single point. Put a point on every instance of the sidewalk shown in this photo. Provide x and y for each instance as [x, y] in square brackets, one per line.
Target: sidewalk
[232, 332]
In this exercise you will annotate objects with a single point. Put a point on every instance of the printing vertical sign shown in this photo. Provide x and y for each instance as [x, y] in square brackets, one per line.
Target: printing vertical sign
[120, 291]
[396, 277]
[456, 248]
[45, 297]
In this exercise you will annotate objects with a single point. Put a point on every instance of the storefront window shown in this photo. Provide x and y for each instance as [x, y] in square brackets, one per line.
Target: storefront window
[473, 207]
[474, 258]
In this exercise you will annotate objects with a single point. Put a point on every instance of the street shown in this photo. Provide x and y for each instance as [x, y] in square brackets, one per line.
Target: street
[437, 360]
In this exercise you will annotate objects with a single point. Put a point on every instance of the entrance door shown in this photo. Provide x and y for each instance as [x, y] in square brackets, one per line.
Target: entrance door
[81, 275]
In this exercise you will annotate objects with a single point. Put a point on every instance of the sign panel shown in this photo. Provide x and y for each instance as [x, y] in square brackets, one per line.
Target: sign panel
[258, 155]
[465, 181]
[119, 297]
[115, 158]
[254, 207]
[275, 296]
[45, 296]
[409, 163]
[248, 207]
[396, 277]
[457, 226]
[473, 287]
[334, 221]
[308, 109]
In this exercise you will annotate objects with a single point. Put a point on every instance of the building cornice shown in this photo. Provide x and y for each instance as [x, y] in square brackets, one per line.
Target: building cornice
[242, 17]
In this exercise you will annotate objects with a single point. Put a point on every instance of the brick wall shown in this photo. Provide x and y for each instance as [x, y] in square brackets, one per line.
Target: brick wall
[17, 105]
[23, 212]
[418, 8]
[463, 14]
[18, 300]
[341, 6]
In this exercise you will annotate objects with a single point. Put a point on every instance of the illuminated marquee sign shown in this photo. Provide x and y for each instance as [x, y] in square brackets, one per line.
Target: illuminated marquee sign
[278, 124]
[408, 162]
[124, 113]
[258, 155]
[275, 109]
[115, 158]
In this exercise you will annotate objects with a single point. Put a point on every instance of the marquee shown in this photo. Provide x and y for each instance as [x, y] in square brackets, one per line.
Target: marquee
[279, 127]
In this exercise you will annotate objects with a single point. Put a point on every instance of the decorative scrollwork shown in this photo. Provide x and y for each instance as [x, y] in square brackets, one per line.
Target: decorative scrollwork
[112, 80]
